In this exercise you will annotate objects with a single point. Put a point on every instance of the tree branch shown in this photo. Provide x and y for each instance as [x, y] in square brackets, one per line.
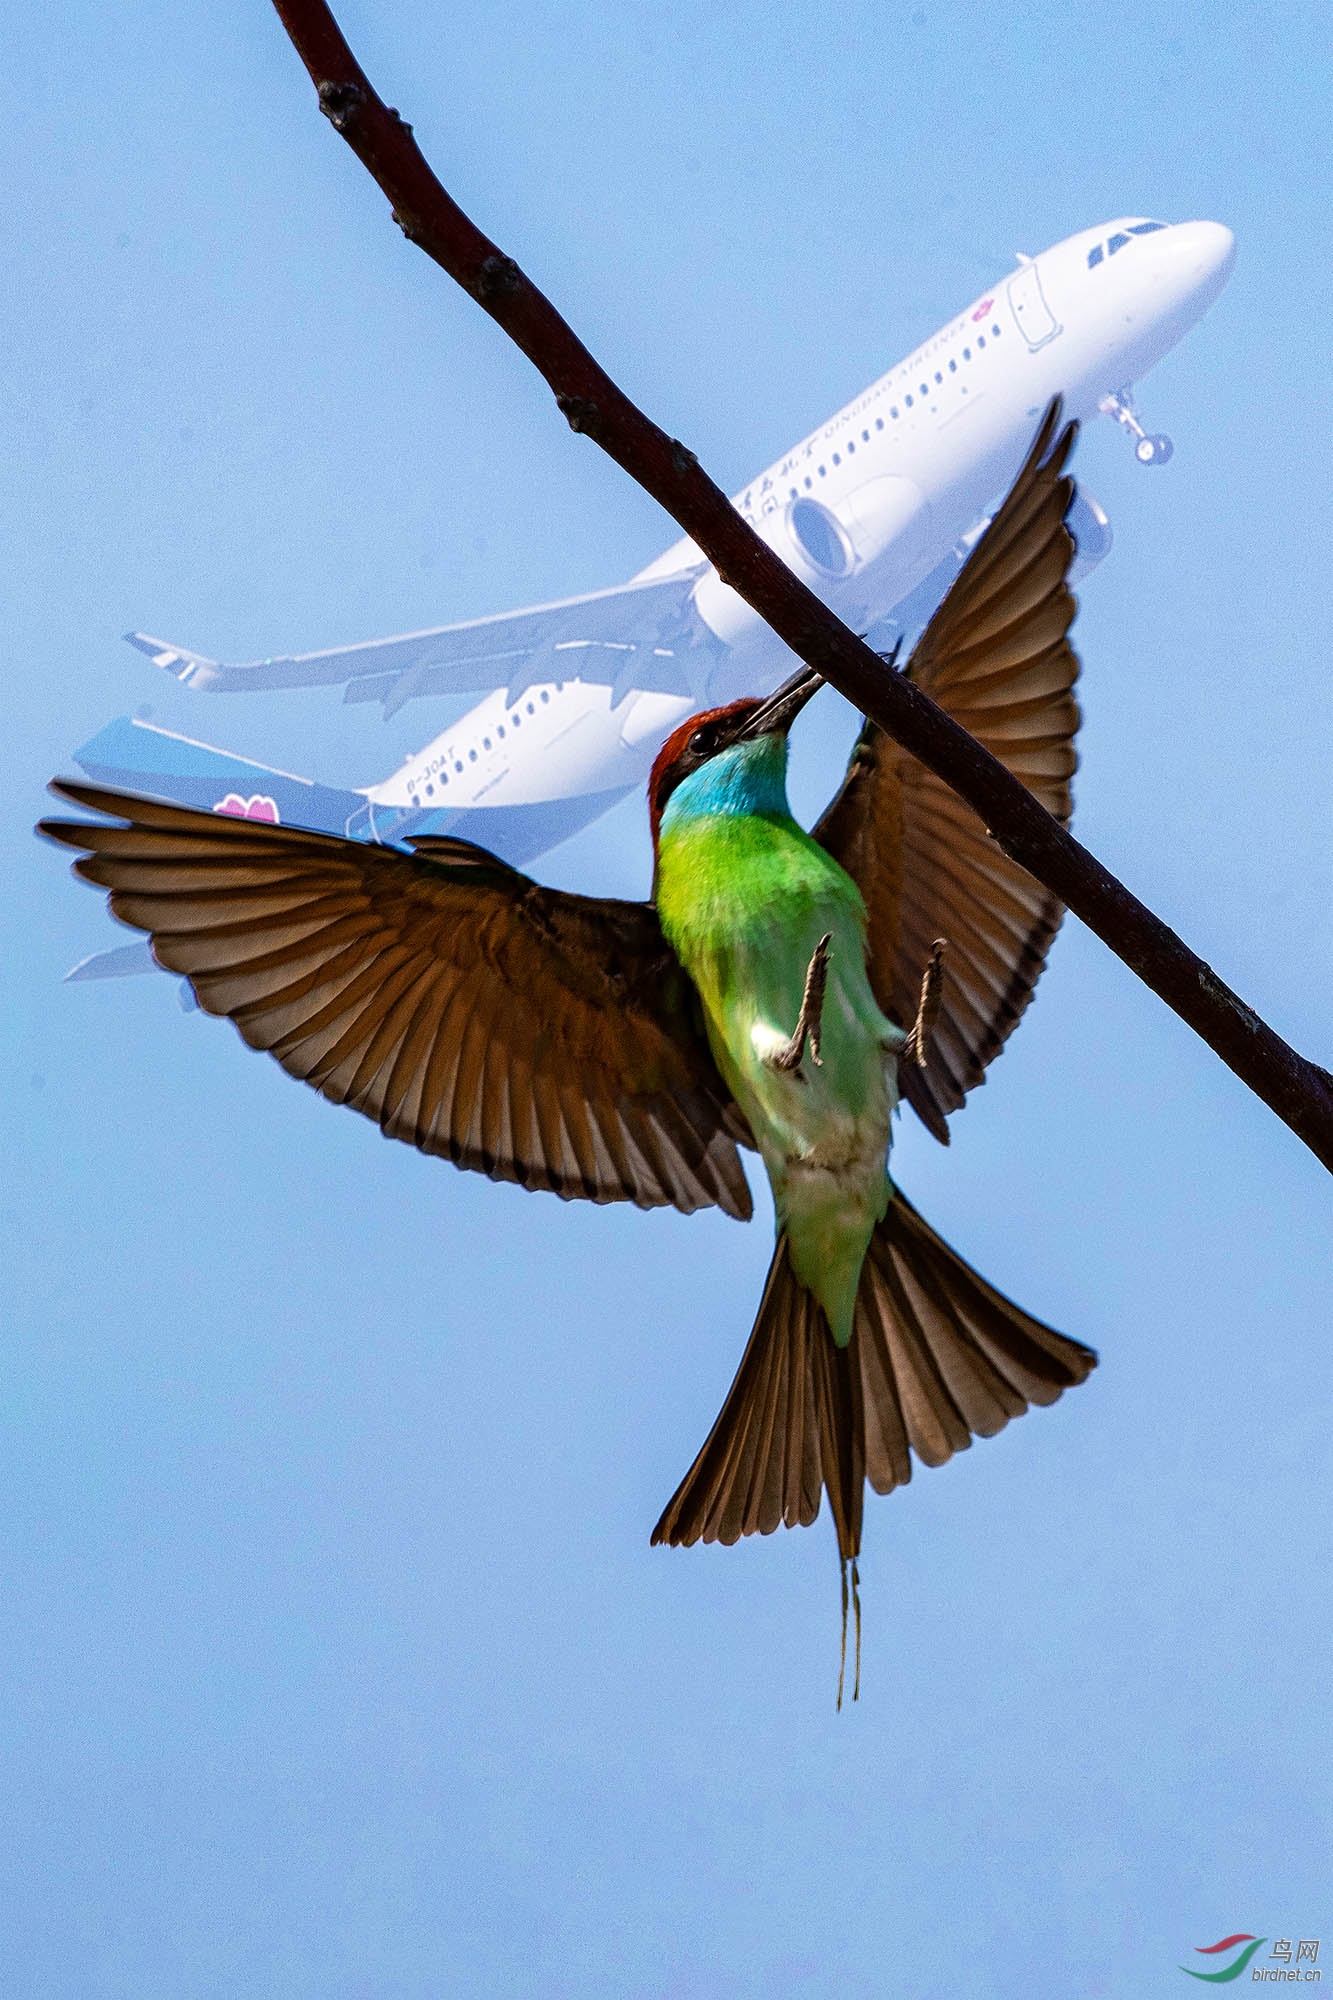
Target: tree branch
[1299, 1091]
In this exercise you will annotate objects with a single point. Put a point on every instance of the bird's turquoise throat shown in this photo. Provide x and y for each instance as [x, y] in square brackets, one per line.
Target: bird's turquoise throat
[745, 896]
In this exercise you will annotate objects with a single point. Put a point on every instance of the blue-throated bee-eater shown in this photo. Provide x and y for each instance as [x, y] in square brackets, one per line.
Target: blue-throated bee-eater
[781, 990]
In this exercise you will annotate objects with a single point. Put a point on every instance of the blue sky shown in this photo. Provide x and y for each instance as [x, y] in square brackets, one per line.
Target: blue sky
[337, 1663]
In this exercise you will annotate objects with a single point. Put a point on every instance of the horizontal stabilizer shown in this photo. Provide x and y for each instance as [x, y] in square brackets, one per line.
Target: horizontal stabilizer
[122, 962]
[654, 619]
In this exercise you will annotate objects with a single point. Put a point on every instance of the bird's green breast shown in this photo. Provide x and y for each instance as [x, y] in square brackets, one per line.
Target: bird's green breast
[744, 898]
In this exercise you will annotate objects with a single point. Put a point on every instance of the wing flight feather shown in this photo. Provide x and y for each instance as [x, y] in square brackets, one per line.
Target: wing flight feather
[539, 1037]
[996, 657]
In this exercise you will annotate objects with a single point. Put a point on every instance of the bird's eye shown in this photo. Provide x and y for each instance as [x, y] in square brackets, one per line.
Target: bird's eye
[699, 741]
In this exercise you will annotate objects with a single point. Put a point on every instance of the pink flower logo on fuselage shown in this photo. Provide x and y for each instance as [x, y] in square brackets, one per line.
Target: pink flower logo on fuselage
[255, 807]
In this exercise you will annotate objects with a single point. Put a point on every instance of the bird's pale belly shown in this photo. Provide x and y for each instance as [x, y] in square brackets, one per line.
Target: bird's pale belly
[832, 1113]
[823, 1130]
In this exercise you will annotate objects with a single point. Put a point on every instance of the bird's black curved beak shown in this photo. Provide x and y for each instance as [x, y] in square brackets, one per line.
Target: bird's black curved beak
[776, 715]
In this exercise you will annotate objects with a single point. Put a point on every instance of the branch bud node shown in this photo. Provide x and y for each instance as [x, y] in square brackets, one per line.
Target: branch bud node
[682, 458]
[340, 102]
[497, 277]
[579, 411]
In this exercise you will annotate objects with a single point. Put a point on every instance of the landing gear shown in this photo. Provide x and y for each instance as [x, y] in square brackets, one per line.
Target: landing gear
[1119, 406]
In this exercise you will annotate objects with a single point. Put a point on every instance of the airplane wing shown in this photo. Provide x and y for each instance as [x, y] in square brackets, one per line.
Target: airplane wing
[641, 635]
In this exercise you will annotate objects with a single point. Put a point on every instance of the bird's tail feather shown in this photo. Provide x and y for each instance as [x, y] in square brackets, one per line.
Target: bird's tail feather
[937, 1356]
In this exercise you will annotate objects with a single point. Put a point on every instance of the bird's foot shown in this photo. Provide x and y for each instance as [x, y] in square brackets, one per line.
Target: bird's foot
[916, 1049]
[790, 1056]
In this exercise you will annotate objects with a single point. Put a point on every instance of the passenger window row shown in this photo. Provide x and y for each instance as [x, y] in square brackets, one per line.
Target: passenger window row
[908, 402]
[515, 720]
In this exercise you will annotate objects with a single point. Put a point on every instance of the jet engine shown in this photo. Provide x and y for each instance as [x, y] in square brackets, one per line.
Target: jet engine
[1088, 524]
[826, 547]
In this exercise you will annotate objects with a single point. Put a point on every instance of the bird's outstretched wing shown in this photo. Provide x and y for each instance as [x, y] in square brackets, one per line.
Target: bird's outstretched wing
[539, 1037]
[996, 657]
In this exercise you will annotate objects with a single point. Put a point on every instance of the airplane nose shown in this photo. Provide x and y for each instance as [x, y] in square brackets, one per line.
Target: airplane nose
[1207, 251]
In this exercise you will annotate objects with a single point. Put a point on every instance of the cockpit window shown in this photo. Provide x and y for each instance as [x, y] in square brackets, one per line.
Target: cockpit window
[1120, 239]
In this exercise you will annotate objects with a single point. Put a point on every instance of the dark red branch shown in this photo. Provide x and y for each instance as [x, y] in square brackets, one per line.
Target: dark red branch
[1299, 1091]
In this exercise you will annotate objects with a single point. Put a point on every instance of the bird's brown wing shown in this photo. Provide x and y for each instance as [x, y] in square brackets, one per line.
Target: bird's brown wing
[542, 1038]
[996, 657]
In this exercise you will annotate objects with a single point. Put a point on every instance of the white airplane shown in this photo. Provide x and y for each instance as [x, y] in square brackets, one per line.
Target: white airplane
[876, 510]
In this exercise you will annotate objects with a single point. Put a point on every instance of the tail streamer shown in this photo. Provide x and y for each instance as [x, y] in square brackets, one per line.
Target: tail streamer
[937, 1357]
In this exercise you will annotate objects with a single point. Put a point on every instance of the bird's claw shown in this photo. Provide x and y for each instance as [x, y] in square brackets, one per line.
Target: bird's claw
[916, 1049]
[788, 1059]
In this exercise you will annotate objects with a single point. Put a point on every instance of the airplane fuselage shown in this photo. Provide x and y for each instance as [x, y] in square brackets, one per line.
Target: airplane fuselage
[864, 509]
